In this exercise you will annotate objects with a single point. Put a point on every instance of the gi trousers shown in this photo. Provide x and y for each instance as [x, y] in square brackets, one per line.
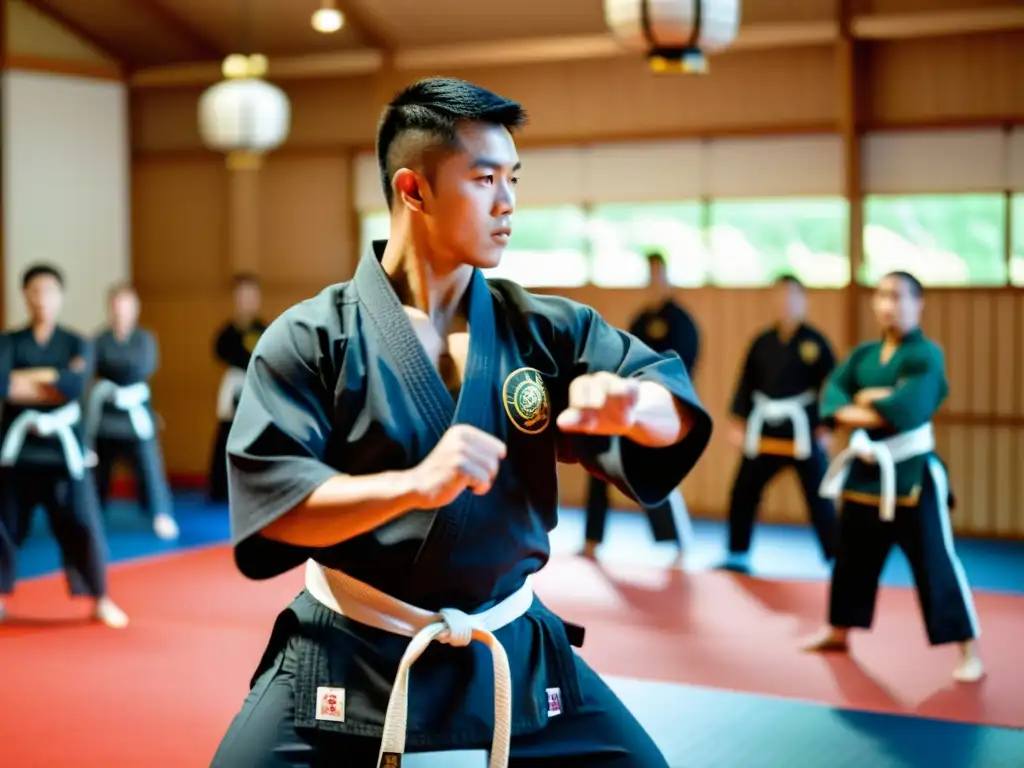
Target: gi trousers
[925, 535]
[748, 487]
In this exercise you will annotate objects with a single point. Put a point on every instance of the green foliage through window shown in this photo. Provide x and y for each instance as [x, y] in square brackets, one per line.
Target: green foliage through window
[957, 240]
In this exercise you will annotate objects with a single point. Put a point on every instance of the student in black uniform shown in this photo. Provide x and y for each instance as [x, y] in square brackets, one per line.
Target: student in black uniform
[42, 458]
[665, 327]
[399, 434]
[233, 347]
[776, 425]
[119, 421]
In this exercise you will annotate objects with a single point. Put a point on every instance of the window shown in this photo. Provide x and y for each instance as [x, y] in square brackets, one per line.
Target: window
[752, 242]
[548, 248]
[955, 240]
[621, 235]
[1017, 249]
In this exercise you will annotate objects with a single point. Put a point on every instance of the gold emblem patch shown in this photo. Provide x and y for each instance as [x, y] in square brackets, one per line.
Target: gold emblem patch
[657, 329]
[809, 351]
[249, 339]
[526, 400]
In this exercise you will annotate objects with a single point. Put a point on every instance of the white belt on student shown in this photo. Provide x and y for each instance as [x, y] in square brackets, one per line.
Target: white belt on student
[775, 411]
[366, 605]
[57, 423]
[131, 399]
[886, 453]
[231, 384]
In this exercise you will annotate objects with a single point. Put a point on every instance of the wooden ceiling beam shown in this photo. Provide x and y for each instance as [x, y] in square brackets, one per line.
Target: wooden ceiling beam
[171, 21]
[358, 22]
[585, 47]
[104, 45]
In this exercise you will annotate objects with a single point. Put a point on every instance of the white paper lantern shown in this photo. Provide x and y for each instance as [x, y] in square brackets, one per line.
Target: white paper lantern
[244, 115]
[673, 26]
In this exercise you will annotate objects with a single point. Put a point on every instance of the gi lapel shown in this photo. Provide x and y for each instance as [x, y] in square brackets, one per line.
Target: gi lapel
[422, 380]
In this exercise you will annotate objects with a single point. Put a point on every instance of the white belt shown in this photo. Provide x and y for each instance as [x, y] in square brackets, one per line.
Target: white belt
[886, 454]
[131, 399]
[231, 384]
[366, 605]
[767, 410]
[56, 423]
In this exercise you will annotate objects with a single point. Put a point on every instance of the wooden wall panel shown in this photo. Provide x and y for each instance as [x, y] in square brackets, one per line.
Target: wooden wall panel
[179, 225]
[945, 79]
[305, 221]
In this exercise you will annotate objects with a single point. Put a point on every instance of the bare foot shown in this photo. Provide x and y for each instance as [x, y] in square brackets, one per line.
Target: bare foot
[108, 613]
[829, 639]
[589, 550]
[971, 668]
[165, 527]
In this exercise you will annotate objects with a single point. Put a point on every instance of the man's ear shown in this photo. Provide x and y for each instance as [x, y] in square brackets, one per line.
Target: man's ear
[408, 189]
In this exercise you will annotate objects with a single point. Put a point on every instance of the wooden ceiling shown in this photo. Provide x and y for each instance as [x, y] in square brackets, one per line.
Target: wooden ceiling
[152, 33]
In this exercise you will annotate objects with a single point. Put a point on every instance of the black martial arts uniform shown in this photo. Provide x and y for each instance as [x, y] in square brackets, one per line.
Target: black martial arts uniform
[342, 383]
[233, 347]
[920, 522]
[117, 430]
[778, 369]
[45, 471]
[664, 328]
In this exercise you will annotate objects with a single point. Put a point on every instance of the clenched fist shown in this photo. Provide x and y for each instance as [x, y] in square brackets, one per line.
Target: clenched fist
[600, 404]
[465, 457]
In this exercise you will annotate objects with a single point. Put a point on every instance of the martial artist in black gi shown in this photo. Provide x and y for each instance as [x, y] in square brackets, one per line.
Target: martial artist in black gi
[664, 326]
[42, 457]
[399, 433]
[233, 347]
[776, 424]
[887, 392]
[120, 423]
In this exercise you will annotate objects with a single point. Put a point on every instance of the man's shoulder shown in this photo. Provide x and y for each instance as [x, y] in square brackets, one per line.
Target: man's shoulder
[559, 311]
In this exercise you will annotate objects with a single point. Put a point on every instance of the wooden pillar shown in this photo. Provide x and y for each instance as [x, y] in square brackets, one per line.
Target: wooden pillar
[243, 213]
[849, 67]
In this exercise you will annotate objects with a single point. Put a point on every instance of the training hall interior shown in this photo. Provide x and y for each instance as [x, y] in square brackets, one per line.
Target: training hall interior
[197, 155]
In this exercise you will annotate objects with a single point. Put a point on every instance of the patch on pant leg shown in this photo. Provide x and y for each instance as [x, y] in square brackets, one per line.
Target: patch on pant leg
[554, 701]
[330, 704]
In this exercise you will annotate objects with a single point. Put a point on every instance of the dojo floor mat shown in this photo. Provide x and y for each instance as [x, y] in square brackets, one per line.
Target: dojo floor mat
[162, 692]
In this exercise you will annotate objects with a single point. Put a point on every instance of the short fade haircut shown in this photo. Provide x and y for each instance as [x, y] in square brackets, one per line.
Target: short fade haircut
[41, 270]
[420, 124]
[788, 279]
[916, 289]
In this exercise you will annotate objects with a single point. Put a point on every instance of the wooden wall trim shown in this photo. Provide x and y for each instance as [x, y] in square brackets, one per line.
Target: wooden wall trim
[85, 69]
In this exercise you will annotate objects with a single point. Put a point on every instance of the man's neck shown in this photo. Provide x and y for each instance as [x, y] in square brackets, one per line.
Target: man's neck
[897, 335]
[436, 290]
[123, 331]
[788, 326]
[42, 330]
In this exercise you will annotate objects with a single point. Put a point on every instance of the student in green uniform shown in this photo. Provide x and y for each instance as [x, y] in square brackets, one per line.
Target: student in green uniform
[893, 486]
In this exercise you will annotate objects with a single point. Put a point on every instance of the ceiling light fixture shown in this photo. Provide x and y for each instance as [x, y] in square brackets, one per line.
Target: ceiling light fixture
[328, 19]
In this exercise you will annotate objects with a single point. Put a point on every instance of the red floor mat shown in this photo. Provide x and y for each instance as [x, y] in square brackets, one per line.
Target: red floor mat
[161, 693]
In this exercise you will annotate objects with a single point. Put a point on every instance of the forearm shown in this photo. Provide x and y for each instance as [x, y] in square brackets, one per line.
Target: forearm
[660, 419]
[27, 387]
[859, 417]
[38, 375]
[344, 507]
